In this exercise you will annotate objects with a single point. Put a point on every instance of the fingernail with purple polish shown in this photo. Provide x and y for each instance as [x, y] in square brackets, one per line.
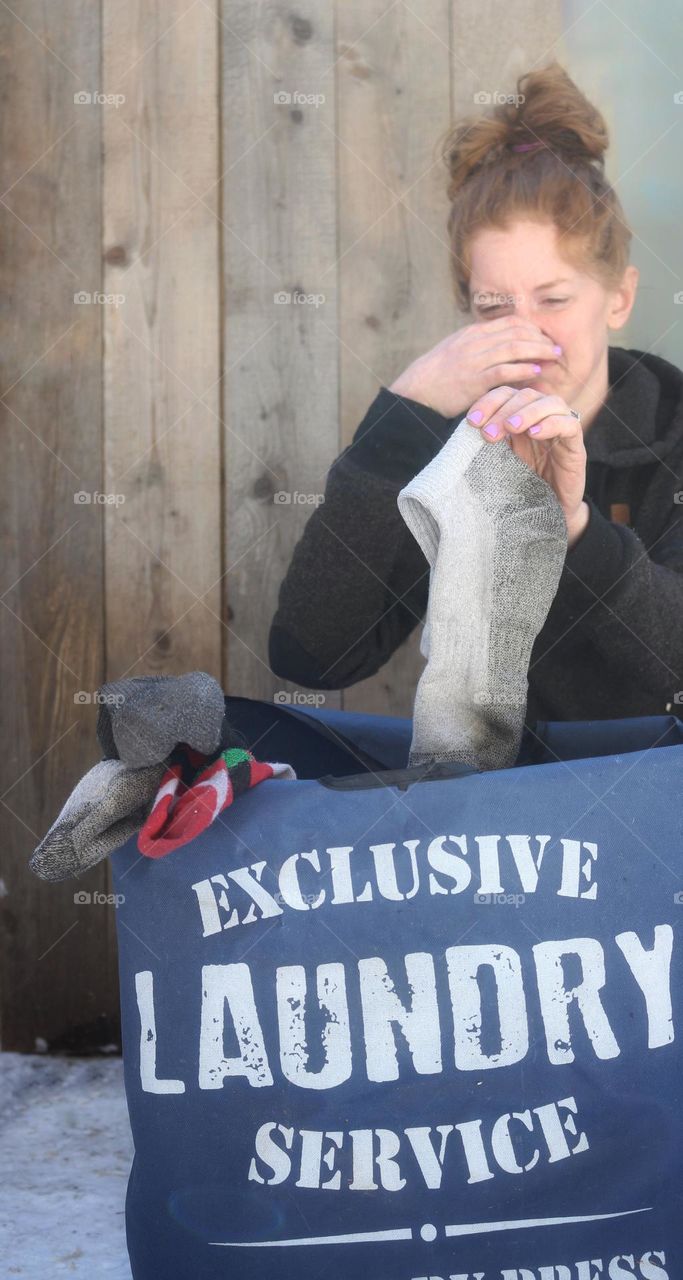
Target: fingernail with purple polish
[514, 420]
[476, 415]
[533, 431]
[491, 431]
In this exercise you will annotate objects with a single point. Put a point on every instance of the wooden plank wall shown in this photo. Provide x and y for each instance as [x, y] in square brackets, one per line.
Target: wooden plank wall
[161, 366]
[57, 962]
[254, 156]
[281, 374]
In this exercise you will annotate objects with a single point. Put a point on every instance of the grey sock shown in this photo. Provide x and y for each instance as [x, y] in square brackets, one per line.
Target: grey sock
[495, 537]
[105, 808]
[142, 718]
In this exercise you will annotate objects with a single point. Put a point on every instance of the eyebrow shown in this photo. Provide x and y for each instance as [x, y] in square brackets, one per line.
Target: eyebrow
[550, 283]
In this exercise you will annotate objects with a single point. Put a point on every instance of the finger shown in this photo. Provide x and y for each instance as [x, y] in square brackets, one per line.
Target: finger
[489, 410]
[512, 324]
[530, 407]
[516, 371]
[510, 348]
[491, 402]
[564, 428]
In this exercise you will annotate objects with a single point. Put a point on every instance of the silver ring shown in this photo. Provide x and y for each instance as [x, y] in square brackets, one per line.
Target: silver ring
[575, 414]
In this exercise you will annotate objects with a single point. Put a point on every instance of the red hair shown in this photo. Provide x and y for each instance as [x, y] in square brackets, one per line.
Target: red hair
[494, 179]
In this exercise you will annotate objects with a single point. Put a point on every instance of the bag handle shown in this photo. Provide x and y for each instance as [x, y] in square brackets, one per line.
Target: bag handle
[283, 711]
[438, 771]
[373, 773]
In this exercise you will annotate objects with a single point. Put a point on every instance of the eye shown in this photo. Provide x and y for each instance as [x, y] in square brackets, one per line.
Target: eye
[498, 306]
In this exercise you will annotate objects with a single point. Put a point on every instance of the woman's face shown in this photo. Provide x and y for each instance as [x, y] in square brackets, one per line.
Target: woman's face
[520, 272]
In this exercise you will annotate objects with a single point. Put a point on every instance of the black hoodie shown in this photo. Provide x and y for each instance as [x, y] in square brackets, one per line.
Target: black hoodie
[612, 644]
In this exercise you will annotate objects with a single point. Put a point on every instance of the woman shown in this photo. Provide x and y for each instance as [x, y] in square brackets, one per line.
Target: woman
[540, 261]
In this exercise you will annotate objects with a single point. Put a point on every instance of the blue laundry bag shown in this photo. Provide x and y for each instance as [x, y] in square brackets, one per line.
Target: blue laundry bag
[387, 1023]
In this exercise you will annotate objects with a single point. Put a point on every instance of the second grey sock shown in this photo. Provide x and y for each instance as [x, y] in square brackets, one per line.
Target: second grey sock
[142, 718]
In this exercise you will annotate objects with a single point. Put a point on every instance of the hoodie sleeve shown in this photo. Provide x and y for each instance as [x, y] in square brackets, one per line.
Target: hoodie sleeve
[628, 601]
[358, 582]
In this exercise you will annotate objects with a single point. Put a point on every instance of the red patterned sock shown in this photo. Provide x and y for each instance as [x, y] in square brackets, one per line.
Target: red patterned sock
[181, 810]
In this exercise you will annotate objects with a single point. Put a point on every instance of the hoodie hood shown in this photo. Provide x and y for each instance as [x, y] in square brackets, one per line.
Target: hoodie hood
[641, 419]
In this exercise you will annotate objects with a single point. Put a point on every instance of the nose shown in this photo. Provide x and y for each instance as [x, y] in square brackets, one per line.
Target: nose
[523, 308]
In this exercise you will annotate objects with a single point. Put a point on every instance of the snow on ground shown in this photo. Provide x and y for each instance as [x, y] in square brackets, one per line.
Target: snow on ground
[65, 1155]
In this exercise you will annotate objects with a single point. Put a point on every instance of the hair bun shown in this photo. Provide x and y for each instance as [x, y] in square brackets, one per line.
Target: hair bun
[552, 109]
[548, 110]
